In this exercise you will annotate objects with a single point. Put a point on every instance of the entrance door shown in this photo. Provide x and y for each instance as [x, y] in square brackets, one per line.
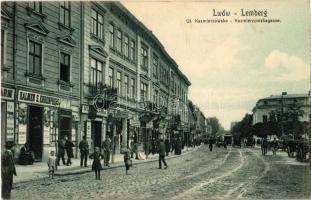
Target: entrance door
[35, 133]
[97, 133]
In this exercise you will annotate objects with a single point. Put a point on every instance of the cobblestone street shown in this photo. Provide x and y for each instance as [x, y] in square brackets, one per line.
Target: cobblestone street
[201, 174]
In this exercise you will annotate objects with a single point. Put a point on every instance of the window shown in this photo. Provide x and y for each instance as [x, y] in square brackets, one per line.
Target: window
[155, 97]
[35, 58]
[143, 91]
[119, 83]
[126, 85]
[110, 76]
[264, 118]
[2, 48]
[155, 66]
[119, 41]
[132, 50]
[126, 46]
[144, 57]
[132, 88]
[97, 25]
[111, 35]
[64, 67]
[96, 71]
[65, 13]
[36, 6]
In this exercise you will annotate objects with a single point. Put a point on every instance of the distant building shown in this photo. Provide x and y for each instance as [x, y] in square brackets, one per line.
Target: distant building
[281, 103]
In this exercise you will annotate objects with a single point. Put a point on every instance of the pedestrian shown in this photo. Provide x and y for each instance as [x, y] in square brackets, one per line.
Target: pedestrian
[127, 161]
[264, 146]
[7, 170]
[178, 146]
[96, 166]
[162, 155]
[26, 156]
[84, 151]
[275, 146]
[107, 151]
[51, 164]
[210, 144]
[61, 151]
[167, 146]
[147, 148]
[68, 146]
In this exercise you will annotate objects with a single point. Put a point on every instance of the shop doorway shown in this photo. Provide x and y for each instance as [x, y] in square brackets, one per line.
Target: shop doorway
[3, 125]
[35, 132]
[65, 124]
[97, 133]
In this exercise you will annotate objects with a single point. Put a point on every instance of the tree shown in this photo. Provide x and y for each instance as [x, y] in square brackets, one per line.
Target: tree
[214, 122]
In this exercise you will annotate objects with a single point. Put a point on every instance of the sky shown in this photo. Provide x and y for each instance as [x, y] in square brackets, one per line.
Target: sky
[232, 65]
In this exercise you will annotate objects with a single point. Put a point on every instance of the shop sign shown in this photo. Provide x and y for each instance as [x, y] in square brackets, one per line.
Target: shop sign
[46, 135]
[31, 97]
[10, 121]
[22, 133]
[7, 93]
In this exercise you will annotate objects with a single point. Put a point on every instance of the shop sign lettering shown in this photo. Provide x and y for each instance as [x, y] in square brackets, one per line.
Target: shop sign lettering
[31, 97]
[7, 93]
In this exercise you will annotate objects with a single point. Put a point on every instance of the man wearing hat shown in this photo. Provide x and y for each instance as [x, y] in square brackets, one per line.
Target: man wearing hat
[7, 171]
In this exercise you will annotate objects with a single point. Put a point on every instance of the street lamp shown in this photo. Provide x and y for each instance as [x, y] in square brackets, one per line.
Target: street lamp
[282, 112]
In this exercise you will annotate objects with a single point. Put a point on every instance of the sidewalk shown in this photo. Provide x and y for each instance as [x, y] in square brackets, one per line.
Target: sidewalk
[39, 169]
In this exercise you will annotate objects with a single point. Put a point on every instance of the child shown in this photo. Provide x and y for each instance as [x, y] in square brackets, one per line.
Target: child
[127, 161]
[96, 166]
[52, 164]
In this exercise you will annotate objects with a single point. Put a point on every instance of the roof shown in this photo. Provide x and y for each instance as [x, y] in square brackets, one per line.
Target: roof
[153, 37]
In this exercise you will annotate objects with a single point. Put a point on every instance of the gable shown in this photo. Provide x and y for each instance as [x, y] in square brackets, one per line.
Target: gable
[37, 27]
[67, 40]
[98, 49]
[5, 14]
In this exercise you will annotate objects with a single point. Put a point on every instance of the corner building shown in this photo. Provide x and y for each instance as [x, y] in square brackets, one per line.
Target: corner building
[40, 82]
[59, 57]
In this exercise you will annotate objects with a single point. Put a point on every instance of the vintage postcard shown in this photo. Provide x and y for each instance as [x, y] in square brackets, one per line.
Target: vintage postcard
[156, 99]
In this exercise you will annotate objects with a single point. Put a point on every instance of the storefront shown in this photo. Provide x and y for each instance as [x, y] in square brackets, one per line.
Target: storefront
[43, 119]
[7, 115]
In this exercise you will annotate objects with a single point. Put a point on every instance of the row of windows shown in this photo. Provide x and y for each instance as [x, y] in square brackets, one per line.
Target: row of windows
[35, 62]
[64, 15]
[122, 43]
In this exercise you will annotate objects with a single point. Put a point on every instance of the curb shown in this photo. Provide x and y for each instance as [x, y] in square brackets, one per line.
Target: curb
[117, 165]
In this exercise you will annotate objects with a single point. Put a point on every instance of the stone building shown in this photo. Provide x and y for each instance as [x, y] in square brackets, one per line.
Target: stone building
[282, 103]
[40, 82]
[62, 62]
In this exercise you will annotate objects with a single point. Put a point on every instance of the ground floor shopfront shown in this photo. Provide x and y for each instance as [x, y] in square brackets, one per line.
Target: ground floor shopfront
[38, 118]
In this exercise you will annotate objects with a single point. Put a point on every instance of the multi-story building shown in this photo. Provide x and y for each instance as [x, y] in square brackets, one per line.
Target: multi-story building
[282, 104]
[40, 51]
[60, 59]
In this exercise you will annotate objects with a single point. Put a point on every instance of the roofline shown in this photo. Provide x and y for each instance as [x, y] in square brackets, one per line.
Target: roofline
[153, 37]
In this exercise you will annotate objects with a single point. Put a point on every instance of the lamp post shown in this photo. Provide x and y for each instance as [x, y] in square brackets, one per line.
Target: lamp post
[282, 112]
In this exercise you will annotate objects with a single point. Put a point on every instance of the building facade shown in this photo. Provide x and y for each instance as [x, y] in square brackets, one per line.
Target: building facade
[86, 68]
[282, 104]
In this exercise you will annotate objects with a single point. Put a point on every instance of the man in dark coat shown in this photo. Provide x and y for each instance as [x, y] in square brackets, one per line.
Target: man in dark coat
[107, 146]
[162, 155]
[210, 144]
[167, 146]
[84, 151]
[7, 170]
[68, 146]
[61, 151]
